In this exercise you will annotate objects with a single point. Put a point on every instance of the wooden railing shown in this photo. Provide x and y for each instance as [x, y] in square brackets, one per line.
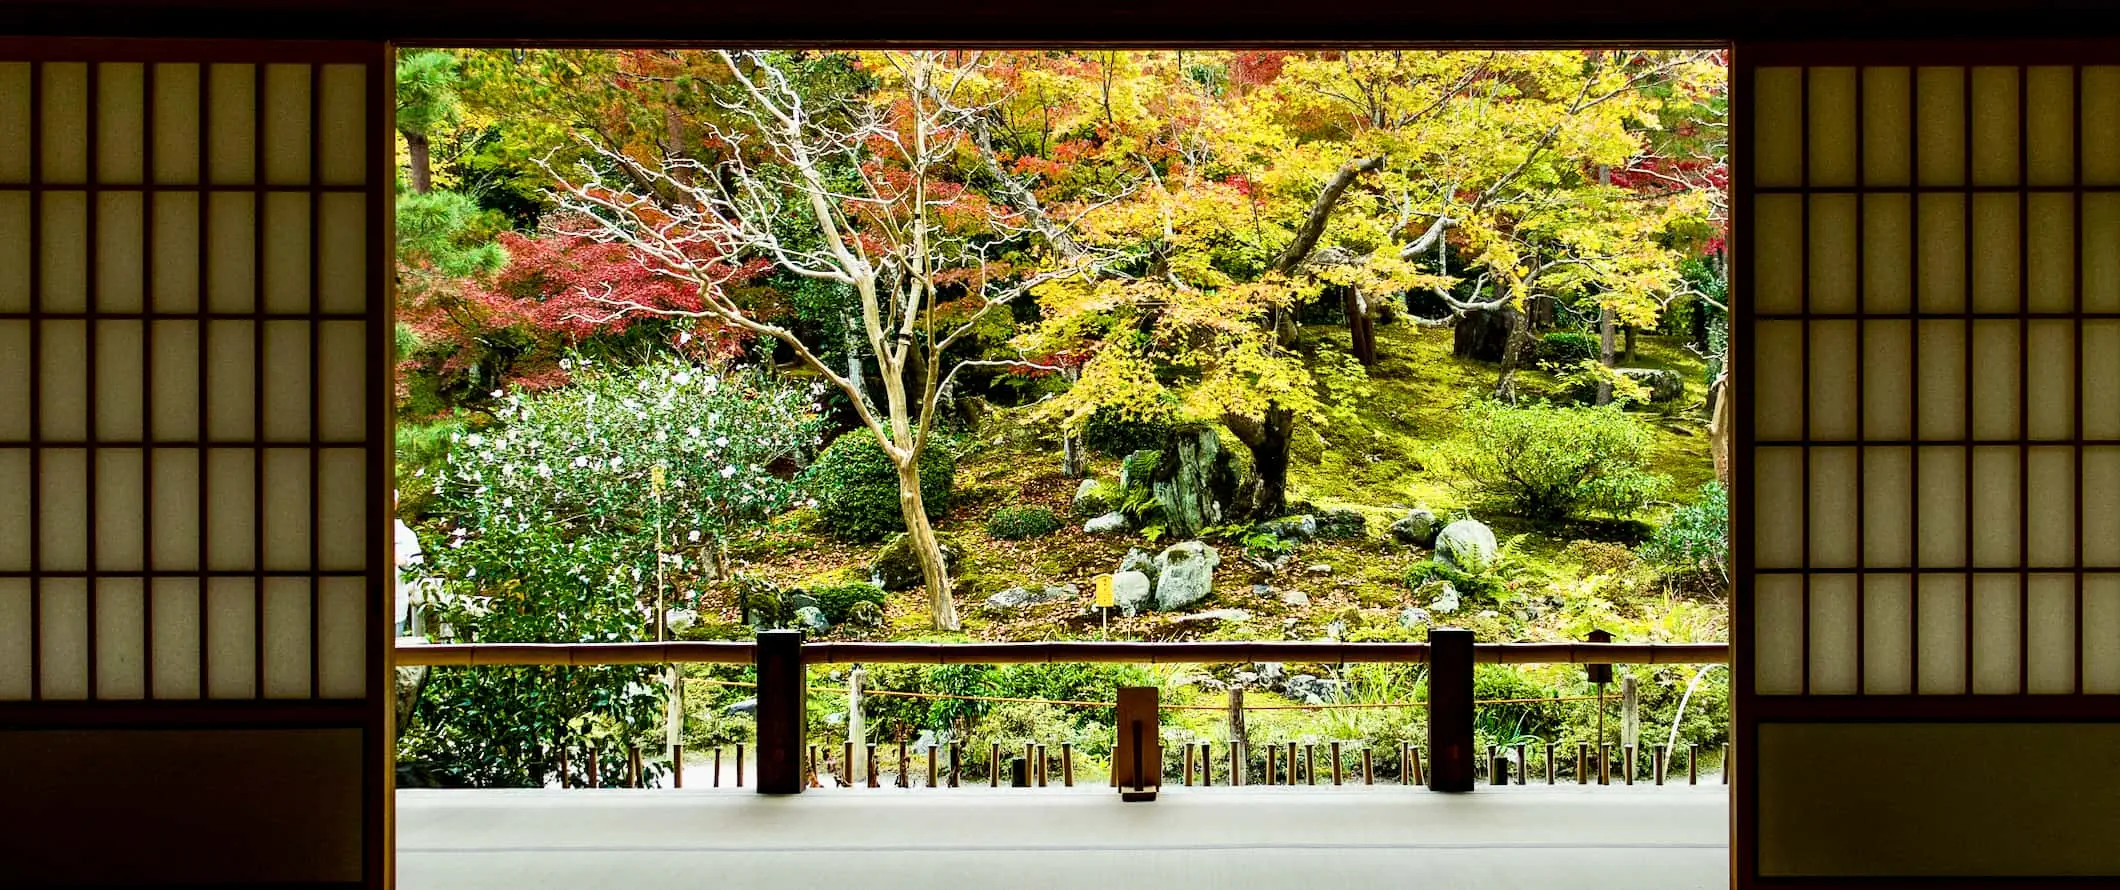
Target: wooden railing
[494, 654]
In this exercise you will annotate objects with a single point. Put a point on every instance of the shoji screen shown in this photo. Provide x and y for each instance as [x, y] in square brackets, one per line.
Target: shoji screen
[193, 408]
[1929, 597]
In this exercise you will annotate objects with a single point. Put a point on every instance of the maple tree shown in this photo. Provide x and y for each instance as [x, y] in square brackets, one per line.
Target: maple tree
[858, 189]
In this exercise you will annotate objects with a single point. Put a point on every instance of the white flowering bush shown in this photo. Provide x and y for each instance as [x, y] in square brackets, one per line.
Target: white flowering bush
[549, 520]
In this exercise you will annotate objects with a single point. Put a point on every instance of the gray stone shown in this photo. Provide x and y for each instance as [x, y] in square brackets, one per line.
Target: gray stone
[680, 619]
[1185, 574]
[798, 599]
[865, 613]
[1319, 569]
[1091, 499]
[1467, 544]
[1272, 672]
[1664, 385]
[1266, 590]
[810, 619]
[1109, 523]
[1131, 592]
[1137, 560]
[1309, 689]
[1018, 597]
[1295, 598]
[1419, 528]
[1342, 525]
[1289, 528]
[747, 706]
[1413, 616]
[1442, 597]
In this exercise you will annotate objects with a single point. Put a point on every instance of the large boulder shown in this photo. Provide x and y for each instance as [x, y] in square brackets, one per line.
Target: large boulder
[1137, 560]
[1132, 593]
[1193, 480]
[1664, 385]
[1468, 544]
[1018, 597]
[811, 620]
[1342, 525]
[897, 567]
[1185, 574]
[1419, 528]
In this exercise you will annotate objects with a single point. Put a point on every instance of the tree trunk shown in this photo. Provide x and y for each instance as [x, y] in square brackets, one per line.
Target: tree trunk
[1629, 357]
[1265, 494]
[1605, 352]
[1362, 338]
[1074, 458]
[1721, 417]
[942, 609]
[419, 158]
[1517, 346]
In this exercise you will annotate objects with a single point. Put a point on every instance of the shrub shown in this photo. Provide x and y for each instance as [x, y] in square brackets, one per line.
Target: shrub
[856, 487]
[1114, 434]
[1015, 523]
[1695, 544]
[551, 539]
[1506, 720]
[1567, 348]
[840, 600]
[1140, 466]
[1548, 462]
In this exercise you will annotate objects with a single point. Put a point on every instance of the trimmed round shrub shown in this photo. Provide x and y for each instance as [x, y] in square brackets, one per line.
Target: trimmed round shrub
[1566, 348]
[839, 601]
[1015, 523]
[1113, 434]
[856, 487]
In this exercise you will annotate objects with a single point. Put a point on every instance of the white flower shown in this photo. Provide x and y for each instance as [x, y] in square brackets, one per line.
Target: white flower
[471, 572]
[474, 440]
[694, 536]
[712, 383]
[721, 442]
[692, 431]
[728, 472]
[581, 461]
[496, 394]
[543, 471]
[682, 378]
[617, 460]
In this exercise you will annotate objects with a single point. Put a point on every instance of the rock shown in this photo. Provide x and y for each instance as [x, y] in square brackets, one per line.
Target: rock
[800, 599]
[1091, 499]
[1295, 598]
[1301, 527]
[1107, 524]
[1131, 592]
[1467, 544]
[1264, 590]
[1018, 597]
[1246, 678]
[1193, 480]
[1319, 569]
[747, 706]
[1664, 385]
[1413, 616]
[811, 620]
[1342, 525]
[1309, 689]
[680, 619]
[896, 567]
[1137, 560]
[1217, 615]
[1272, 673]
[1419, 528]
[1185, 574]
[1442, 597]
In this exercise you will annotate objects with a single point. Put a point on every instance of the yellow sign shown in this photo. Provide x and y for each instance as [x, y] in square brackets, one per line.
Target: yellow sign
[1104, 591]
[655, 478]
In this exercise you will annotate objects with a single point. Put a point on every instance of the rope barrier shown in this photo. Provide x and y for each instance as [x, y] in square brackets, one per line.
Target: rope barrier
[1324, 706]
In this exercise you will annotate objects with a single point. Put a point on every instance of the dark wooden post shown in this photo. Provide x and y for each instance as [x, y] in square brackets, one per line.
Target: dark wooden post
[739, 767]
[1336, 763]
[594, 767]
[1067, 764]
[783, 691]
[564, 781]
[677, 766]
[956, 749]
[1451, 756]
[1369, 767]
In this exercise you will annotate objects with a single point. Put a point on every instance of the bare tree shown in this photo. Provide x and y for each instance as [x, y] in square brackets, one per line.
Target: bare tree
[839, 189]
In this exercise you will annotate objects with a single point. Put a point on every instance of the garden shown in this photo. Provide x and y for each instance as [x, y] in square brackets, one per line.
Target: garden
[923, 345]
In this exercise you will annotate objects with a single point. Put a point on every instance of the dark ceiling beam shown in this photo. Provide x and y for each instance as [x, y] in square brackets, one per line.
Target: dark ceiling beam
[1003, 22]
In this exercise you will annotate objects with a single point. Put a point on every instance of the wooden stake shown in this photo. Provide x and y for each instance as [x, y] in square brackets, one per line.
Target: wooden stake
[1187, 782]
[1693, 764]
[1310, 763]
[633, 767]
[1726, 763]
[1336, 763]
[1272, 751]
[1660, 753]
[1041, 766]
[592, 766]
[1067, 764]
[1523, 766]
[564, 780]
[1369, 768]
[1291, 763]
[1582, 763]
[1418, 777]
[905, 779]
[956, 749]
[739, 764]
[1549, 763]
[931, 766]
[815, 768]
[846, 764]
[1629, 751]
[1207, 764]
[872, 766]
[717, 767]
[993, 769]
[1604, 763]
[677, 766]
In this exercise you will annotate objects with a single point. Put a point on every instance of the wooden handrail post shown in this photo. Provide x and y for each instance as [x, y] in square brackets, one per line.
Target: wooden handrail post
[677, 766]
[783, 706]
[1189, 752]
[1523, 766]
[1549, 763]
[717, 766]
[1582, 763]
[993, 767]
[1291, 763]
[1661, 756]
[1336, 763]
[593, 767]
[931, 766]
[1450, 738]
[1207, 764]
[1369, 767]
[739, 770]
[1067, 764]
